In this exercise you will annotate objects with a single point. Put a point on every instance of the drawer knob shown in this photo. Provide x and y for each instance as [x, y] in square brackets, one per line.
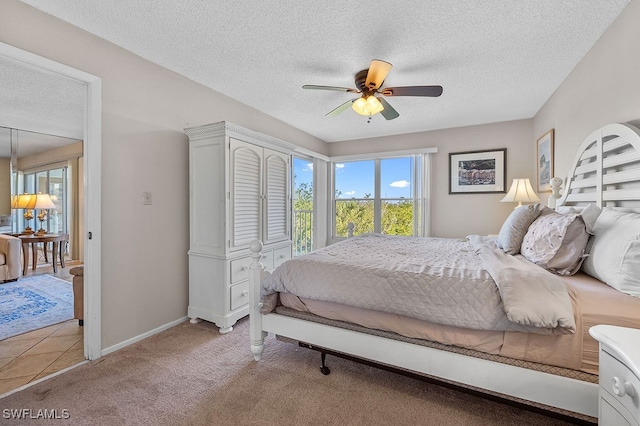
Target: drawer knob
[282, 256]
[245, 268]
[621, 388]
[245, 293]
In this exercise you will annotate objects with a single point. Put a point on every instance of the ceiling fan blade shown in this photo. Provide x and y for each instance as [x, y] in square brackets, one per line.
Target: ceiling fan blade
[378, 71]
[433, 91]
[341, 108]
[388, 112]
[339, 89]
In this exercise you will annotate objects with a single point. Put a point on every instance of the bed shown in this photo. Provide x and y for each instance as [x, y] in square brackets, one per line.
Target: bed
[577, 263]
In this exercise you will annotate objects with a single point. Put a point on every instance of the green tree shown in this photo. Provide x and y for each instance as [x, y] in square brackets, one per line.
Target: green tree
[358, 212]
[303, 217]
[397, 218]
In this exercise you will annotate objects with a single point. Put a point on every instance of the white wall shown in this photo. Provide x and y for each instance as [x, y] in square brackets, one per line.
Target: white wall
[457, 215]
[603, 88]
[144, 110]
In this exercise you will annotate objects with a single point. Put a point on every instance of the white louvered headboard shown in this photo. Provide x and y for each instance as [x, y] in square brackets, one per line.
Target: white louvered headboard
[606, 170]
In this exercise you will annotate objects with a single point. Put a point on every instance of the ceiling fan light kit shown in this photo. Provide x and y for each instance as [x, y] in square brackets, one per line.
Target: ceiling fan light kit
[369, 105]
[369, 82]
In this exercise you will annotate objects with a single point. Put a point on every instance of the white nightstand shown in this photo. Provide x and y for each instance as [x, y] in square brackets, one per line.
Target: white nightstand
[619, 394]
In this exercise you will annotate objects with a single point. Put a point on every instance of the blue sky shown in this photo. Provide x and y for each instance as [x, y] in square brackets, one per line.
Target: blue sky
[354, 179]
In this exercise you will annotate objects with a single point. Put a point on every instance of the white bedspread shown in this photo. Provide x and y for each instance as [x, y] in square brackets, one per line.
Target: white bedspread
[440, 280]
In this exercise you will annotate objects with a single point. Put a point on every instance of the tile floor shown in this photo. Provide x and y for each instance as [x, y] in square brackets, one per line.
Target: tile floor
[31, 356]
[36, 354]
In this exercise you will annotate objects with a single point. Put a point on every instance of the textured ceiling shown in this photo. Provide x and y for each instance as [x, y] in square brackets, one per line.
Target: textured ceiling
[497, 60]
[42, 102]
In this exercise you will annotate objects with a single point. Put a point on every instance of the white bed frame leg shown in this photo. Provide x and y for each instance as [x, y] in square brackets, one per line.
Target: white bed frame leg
[255, 284]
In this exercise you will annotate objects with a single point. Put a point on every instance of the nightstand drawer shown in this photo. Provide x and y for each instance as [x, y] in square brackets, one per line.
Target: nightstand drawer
[239, 295]
[613, 414]
[620, 383]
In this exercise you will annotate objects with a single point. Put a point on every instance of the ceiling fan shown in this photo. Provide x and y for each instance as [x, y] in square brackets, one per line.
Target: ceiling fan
[369, 82]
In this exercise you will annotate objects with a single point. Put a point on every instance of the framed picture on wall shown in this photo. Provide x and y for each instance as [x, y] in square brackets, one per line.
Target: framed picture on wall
[478, 171]
[544, 161]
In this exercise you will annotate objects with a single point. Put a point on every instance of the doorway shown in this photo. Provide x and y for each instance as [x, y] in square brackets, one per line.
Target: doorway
[91, 191]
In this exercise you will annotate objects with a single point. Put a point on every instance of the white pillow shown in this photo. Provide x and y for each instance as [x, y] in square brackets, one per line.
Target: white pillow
[556, 242]
[515, 227]
[614, 257]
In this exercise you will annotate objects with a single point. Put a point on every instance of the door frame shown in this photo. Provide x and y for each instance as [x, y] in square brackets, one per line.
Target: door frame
[92, 188]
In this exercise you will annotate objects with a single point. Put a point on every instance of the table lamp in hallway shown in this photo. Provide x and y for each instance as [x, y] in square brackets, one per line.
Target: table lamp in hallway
[26, 202]
[43, 203]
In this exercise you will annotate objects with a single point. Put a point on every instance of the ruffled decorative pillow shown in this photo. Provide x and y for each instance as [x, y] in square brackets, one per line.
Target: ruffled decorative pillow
[556, 242]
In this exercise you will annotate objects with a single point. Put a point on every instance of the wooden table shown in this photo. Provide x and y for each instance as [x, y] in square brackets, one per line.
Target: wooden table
[56, 239]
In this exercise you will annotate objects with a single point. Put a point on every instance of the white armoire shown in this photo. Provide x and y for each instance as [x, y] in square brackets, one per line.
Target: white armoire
[239, 191]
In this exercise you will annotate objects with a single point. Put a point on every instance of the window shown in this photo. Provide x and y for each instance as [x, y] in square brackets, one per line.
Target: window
[397, 206]
[302, 206]
[354, 196]
[381, 195]
[54, 183]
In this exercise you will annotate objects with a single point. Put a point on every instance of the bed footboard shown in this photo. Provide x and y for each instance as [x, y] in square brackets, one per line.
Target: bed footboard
[256, 272]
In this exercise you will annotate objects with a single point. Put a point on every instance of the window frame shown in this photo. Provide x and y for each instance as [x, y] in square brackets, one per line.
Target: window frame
[310, 159]
[421, 160]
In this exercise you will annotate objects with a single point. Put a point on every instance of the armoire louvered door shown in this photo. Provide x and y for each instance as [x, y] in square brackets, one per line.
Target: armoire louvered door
[259, 194]
[246, 193]
[276, 191]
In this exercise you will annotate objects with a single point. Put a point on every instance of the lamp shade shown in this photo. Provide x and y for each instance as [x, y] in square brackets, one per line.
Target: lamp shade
[24, 201]
[521, 192]
[43, 201]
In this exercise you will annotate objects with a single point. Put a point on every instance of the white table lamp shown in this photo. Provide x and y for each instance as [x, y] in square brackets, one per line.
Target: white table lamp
[43, 203]
[520, 192]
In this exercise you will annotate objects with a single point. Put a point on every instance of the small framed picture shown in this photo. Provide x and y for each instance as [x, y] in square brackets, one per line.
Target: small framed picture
[544, 161]
[478, 171]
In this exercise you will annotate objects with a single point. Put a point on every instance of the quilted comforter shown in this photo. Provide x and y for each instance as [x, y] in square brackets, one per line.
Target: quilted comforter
[467, 283]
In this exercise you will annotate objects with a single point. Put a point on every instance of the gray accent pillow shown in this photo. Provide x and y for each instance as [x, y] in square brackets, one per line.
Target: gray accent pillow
[515, 227]
[590, 215]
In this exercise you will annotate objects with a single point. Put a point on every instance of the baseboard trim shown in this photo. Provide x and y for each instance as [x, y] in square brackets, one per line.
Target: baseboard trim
[142, 336]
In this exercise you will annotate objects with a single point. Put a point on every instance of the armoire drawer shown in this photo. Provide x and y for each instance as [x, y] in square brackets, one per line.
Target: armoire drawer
[267, 259]
[239, 295]
[281, 255]
[240, 269]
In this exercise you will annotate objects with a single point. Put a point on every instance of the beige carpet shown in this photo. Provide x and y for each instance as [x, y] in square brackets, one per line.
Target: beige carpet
[192, 375]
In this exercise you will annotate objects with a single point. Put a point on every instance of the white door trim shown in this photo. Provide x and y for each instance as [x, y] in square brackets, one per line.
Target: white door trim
[92, 190]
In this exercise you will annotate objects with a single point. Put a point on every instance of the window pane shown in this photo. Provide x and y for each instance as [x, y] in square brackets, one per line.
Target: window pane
[57, 193]
[302, 206]
[395, 177]
[358, 212]
[41, 183]
[355, 179]
[397, 217]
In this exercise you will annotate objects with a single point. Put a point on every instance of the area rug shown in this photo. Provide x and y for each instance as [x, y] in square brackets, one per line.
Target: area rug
[32, 303]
